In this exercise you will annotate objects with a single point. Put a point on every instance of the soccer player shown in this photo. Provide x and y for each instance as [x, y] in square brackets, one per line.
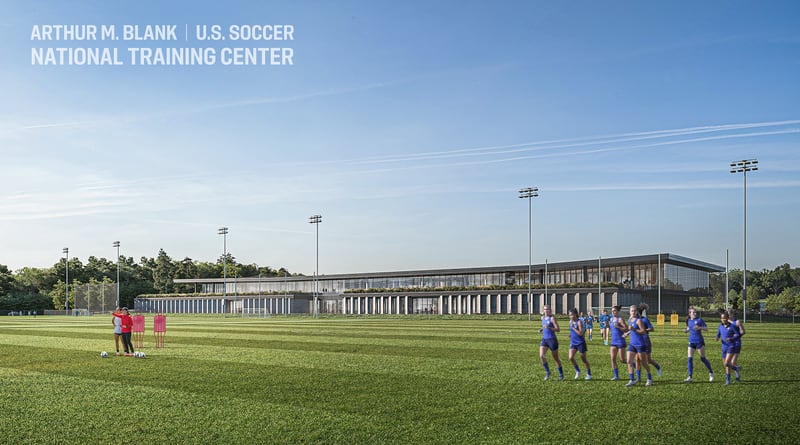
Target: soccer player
[604, 326]
[618, 345]
[643, 307]
[695, 327]
[549, 342]
[117, 327]
[127, 328]
[730, 335]
[577, 343]
[738, 323]
[637, 356]
[588, 323]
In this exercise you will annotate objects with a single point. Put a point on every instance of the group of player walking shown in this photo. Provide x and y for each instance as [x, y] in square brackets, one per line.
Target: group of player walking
[637, 330]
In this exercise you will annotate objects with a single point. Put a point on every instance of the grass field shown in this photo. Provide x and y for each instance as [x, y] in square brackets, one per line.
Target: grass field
[368, 380]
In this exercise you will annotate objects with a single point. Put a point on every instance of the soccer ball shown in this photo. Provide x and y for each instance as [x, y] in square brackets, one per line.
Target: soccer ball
[137, 354]
[104, 354]
[141, 355]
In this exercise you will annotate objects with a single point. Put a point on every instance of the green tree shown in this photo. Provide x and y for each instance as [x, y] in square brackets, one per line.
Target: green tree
[163, 272]
[7, 281]
[57, 294]
[786, 301]
[775, 281]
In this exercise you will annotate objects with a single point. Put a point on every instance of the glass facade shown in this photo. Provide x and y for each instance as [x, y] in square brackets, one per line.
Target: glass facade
[642, 276]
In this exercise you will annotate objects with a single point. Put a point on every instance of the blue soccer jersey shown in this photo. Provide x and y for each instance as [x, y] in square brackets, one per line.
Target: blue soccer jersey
[604, 318]
[695, 331]
[574, 337]
[637, 339]
[547, 322]
[617, 338]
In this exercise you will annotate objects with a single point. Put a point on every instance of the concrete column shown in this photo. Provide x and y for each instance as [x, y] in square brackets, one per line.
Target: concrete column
[519, 303]
[441, 302]
[508, 304]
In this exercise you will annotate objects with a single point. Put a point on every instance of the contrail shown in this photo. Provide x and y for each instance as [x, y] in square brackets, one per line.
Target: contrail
[567, 143]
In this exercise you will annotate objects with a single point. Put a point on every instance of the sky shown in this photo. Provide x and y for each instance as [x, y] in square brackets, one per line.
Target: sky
[409, 127]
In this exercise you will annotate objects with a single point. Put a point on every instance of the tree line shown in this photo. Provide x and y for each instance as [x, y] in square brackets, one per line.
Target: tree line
[37, 289]
[778, 289]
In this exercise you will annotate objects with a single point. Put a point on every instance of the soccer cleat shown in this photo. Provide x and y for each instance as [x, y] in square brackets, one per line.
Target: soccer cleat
[588, 377]
[561, 377]
[689, 379]
[711, 377]
[648, 383]
[630, 383]
[614, 378]
[547, 376]
[577, 375]
[736, 371]
[658, 372]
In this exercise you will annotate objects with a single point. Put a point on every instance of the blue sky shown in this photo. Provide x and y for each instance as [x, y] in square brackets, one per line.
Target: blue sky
[410, 126]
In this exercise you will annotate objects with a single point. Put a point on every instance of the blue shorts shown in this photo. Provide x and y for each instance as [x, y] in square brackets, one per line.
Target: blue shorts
[581, 347]
[551, 343]
[637, 349]
[697, 345]
[620, 345]
[603, 325]
[734, 349]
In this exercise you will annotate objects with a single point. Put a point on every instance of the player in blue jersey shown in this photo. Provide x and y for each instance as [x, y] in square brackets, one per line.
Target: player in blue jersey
[643, 307]
[695, 327]
[549, 342]
[588, 324]
[577, 343]
[730, 335]
[618, 329]
[604, 325]
[740, 326]
[637, 355]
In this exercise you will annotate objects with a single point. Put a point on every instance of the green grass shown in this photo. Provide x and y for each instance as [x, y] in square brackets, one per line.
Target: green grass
[351, 380]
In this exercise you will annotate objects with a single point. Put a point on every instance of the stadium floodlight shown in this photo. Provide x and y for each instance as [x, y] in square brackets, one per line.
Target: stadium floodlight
[744, 166]
[65, 251]
[316, 219]
[224, 232]
[116, 244]
[528, 193]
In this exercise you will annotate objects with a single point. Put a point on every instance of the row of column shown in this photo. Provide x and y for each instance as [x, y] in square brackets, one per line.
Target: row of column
[280, 305]
[445, 304]
[478, 304]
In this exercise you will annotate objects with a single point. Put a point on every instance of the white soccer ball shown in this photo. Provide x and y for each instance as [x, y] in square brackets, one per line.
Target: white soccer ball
[136, 354]
[104, 354]
[141, 355]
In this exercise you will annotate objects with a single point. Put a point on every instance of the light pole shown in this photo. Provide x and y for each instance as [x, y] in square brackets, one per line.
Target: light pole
[224, 232]
[66, 277]
[528, 193]
[116, 244]
[744, 166]
[316, 219]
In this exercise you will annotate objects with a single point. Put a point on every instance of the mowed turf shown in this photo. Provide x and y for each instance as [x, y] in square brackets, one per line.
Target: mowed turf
[370, 380]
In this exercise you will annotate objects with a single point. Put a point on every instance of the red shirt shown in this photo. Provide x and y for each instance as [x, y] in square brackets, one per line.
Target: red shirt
[127, 322]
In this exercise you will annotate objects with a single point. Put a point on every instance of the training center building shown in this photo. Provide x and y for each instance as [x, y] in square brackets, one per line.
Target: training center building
[664, 281]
